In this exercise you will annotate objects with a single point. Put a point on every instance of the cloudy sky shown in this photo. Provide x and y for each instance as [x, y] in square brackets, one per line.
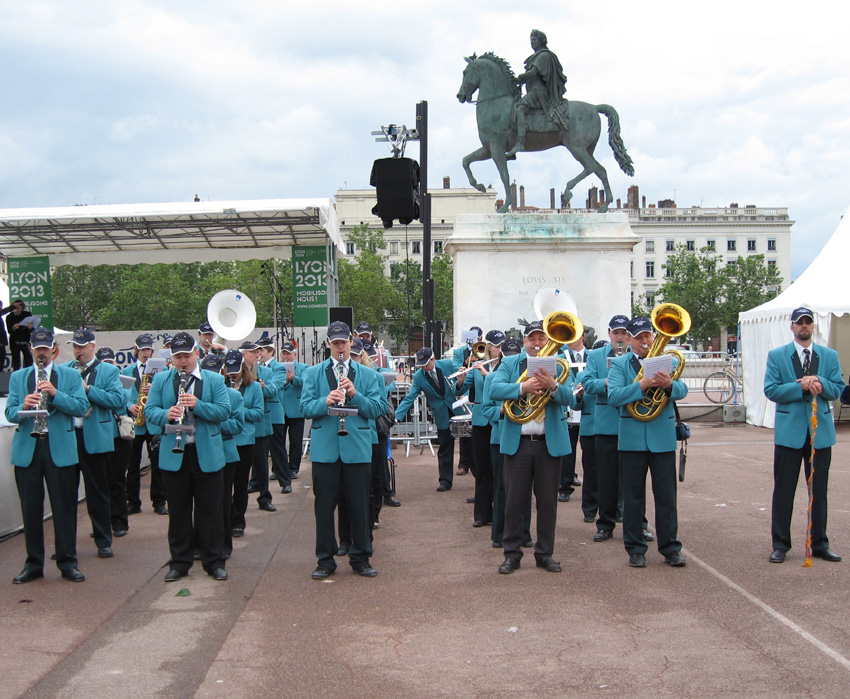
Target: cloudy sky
[155, 101]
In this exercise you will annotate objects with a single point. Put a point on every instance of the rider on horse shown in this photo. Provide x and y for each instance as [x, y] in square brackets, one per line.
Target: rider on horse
[545, 85]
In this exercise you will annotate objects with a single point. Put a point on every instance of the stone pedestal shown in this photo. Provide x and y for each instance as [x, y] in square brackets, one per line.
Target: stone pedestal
[502, 260]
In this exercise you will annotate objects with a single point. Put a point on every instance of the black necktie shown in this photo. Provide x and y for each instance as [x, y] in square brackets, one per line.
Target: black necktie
[807, 362]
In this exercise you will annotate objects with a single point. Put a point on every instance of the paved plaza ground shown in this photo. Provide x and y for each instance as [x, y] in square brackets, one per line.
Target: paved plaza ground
[439, 620]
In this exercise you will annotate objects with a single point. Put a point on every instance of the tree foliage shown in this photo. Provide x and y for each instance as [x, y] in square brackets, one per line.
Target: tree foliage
[363, 285]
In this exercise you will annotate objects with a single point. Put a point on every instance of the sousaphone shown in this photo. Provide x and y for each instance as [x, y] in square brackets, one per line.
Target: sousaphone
[231, 314]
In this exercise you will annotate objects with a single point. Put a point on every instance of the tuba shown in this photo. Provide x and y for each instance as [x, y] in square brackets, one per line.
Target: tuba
[669, 321]
[231, 314]
[561, 327]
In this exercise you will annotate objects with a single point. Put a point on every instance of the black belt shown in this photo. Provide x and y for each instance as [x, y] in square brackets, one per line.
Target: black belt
[533, 437]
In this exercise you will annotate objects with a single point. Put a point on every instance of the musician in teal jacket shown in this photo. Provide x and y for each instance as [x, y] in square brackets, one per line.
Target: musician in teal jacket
[189, 395]
[47, 458]
[797, 375]
[646, 446]
[342, 461]
[294, 420]
[532, 450]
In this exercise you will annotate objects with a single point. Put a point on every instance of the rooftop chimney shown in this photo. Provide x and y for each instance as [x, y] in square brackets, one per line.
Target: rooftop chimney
[447, 183]
[522, 196]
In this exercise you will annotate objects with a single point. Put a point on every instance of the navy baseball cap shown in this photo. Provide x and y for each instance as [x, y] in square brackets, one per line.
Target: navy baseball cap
[233, 361]
[495, 337]
[81, 337]
[618, 322]
[144, 341]
[105, 354]
[356, 346]
[248, 345]
[511, 346]
[338, 331]
[41, 337]
[600, 343]
[369, 348]
[638, 325]
[478, 330]
[534, 326]
[212, 362]
[166, 340]
[802, 312]
[182, 342]
[205, 329]
[265, 342]
[423, 356]
[363, 327]
[287, 346]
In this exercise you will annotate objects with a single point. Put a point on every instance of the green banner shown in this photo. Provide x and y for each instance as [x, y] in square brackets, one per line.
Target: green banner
[29, 280]
[309, 286]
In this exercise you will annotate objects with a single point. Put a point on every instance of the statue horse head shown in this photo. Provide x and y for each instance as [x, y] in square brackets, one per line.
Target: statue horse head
[491, 75]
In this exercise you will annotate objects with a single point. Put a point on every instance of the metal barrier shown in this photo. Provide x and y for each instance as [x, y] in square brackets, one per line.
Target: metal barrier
[418, 431]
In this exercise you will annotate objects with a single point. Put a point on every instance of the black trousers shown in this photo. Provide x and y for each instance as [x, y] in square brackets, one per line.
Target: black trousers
[445, 456]
[240, 486]
[134, 471]
[2, 357]
[280, 462]
[662, 469]
[465, 455]
[590, 484]
[95, 470]
[532, 468]
[62, 491]
[194, 497]
[329, 480]
[379, 463]
[295, 427]
[227, 475]
[568, 463]
[483, 473]
[261, 469]
[20, 354]
[608, 480]
[118, 484]
[786, 473]
[497, 531]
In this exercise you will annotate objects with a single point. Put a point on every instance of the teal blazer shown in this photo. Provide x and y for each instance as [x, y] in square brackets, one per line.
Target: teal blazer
[253, 410]
[69, 402]
[504, 387]
[326, 446]
[587, 404]
[276, 401]
[793, 407]
[440, 401]
[474, 385]
[492, 410]
[106, 397]
[212, 409]
[292, 390]
[232, 426]
[606, 418]
[264, 429]
[658, 435]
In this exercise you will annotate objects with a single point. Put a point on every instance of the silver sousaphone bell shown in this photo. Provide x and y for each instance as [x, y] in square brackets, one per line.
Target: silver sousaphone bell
[231, 314]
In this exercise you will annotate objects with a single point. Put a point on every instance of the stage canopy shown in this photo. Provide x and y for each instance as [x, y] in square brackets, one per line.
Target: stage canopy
[172, 232]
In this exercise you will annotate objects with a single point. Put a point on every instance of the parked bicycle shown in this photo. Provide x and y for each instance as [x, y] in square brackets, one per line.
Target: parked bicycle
[720, 386]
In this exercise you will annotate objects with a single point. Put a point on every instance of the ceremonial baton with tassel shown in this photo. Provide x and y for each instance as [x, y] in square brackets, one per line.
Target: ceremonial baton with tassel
[814, 420]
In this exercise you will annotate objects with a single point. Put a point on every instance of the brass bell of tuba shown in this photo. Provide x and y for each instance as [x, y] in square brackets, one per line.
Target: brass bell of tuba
[561, 327]
[669, 320]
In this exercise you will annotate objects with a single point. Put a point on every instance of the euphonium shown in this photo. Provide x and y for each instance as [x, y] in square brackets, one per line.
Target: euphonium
[669, 321]
[561, 328]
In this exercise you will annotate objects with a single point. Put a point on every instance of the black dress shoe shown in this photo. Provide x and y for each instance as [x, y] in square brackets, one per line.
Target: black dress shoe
[268, 507]
[321, 573]
[217, 574]
[576, 482]
[105, 552]
[343, 550]
[272, 477]
[589, 520]
[134, 509]
[497, 545]
[160, 509]
[173, 575]
[119, 533]
[365, 569]
[563, 497]
[648, 535]
[827, 555]
[778, 556]
[619, 519]
[294, 476]
[469, 501]
[637, 560]
[462, 471]
[442, 488]
[675, 559]
[479, 523]
[253, 489]
[391, 502]
[549, 563]
[527, 544]
[237, 532]
[509, 566]
[74, 575]
[602, 535]
[286, 489]
[26, 576]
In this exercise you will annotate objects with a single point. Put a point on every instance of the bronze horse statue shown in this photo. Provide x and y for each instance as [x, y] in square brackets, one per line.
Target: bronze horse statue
[498, 93]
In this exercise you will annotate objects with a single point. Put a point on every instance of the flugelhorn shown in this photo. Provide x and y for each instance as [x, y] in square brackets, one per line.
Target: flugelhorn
[669, 320]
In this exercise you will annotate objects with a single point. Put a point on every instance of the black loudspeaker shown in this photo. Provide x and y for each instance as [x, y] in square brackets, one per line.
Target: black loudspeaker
[343, 314]
[4, 383]
[397, 183]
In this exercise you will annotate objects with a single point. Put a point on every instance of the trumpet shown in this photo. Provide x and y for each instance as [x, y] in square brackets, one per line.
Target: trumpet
[669, 320]
[561, 327]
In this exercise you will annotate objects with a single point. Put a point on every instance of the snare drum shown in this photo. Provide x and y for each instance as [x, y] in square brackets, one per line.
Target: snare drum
[461, 426]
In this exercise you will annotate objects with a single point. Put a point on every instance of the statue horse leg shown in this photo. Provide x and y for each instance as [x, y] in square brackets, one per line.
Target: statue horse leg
[591, 167]
[497, 154]
[475, 156]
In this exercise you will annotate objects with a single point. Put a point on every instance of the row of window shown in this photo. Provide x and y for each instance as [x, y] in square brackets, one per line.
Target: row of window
[415, 247]
[731, 245]
[650, 267]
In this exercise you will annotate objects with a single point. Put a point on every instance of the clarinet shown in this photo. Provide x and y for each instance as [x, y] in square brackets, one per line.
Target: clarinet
[40, 421]
[178, 442]
[78, 365]
[342, 432]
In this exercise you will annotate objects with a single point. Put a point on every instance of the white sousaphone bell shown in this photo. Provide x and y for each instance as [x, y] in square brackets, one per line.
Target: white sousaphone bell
[549, 299]
[231, 314]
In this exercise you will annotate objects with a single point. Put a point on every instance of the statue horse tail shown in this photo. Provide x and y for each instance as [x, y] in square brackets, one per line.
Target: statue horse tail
[615, 140]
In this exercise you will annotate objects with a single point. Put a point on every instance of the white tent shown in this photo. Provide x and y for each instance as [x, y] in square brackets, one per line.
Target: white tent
[820, 288]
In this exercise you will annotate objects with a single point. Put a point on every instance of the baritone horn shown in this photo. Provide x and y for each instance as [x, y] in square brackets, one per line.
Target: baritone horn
[561, 327]
[669, 320]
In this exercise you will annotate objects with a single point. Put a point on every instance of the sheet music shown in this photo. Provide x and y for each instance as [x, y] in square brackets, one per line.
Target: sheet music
[127, 381]
[550, 364]
[652, 365]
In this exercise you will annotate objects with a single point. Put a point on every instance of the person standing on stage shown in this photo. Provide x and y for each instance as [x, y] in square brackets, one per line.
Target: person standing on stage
[19, 335]
[95, 440]
[189, 395]
[646, 446]
[532, 451]
[293, 425]
[798, 377]
[44, 450]
[342, 462]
